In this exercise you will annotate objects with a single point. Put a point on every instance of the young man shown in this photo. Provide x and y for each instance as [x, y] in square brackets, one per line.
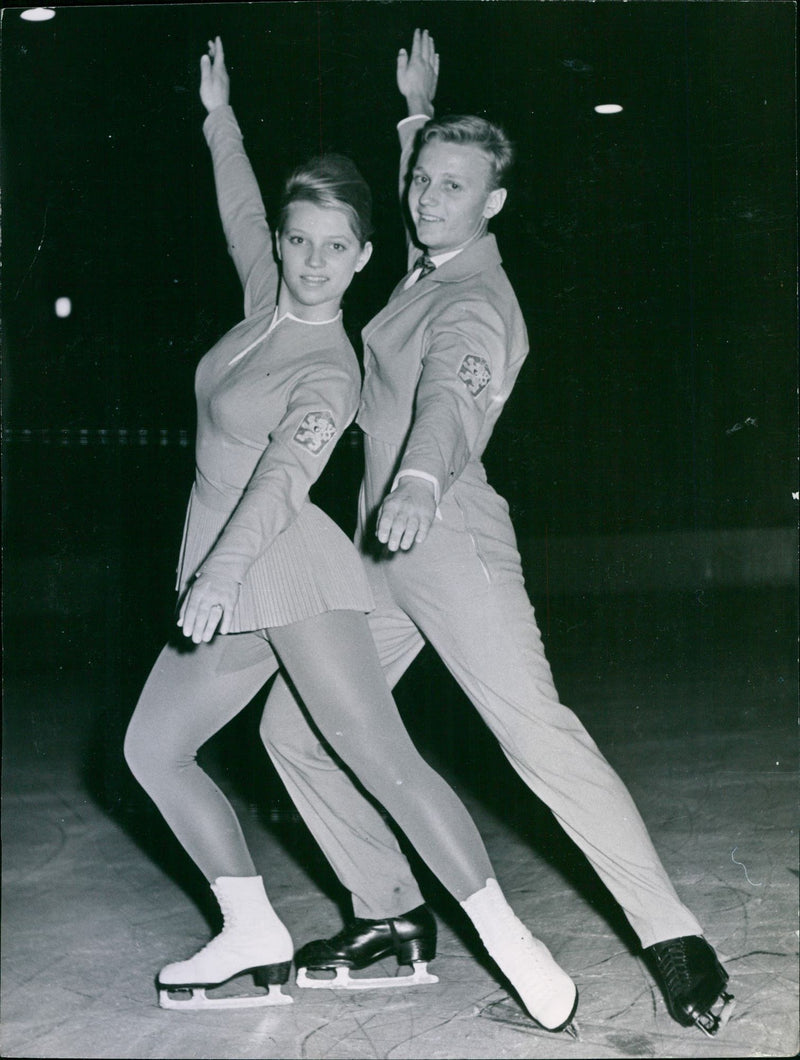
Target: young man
[440, 361]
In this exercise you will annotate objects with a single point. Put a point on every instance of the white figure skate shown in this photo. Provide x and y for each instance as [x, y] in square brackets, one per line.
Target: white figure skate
[252, 940]
[545, 989]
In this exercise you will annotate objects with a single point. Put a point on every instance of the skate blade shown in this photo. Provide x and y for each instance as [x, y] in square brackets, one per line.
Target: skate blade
[509, 1012]
[342, 980]
[193, 998]
[711, 1022]
[571, 1031]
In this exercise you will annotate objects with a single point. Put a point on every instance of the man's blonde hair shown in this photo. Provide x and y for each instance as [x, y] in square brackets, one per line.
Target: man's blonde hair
[479, 132]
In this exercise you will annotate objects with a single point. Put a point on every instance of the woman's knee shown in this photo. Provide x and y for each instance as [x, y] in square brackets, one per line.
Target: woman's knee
[138, 749]
[153, 751]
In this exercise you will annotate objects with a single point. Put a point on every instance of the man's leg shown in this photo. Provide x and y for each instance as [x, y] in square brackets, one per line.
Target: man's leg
[466, 594]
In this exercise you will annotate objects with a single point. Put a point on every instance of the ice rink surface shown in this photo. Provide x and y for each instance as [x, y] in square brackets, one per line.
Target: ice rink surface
[694, 701]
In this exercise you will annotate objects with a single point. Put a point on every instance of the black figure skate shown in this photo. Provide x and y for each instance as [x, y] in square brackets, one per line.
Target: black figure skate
[410, 939]
[693, 982]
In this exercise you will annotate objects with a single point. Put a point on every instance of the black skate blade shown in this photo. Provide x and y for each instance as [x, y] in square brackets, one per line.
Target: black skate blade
[509, 1012]
[711, 1022]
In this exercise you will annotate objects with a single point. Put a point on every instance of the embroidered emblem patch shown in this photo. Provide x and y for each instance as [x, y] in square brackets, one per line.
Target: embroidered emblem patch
[475, 374]
[315, 431]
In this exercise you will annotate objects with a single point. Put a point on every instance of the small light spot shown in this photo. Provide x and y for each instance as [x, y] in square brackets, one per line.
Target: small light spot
[38, 14]
[608, 108]
[63, 307]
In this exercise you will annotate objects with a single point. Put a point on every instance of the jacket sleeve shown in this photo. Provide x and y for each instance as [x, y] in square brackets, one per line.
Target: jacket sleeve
[241, 210]
[463, 367]
[320, 408]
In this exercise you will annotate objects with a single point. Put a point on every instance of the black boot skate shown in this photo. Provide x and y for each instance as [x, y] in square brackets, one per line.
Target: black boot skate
[410, 939]
[693, 982]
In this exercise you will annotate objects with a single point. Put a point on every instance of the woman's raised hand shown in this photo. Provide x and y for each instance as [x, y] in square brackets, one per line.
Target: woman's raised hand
[418, 73]
[214, 80]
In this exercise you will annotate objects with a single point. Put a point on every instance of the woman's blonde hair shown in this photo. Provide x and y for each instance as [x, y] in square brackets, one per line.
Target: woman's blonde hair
[332, 182]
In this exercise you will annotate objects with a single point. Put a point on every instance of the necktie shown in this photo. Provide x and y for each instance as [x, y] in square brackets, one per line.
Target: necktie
[425, 265]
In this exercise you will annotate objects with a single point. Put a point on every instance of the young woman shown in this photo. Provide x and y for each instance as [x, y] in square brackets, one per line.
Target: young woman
[268, 579]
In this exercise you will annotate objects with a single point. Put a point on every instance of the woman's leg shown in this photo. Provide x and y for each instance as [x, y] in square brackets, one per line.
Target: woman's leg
[191, 693]
[354, 836]
[332, 661]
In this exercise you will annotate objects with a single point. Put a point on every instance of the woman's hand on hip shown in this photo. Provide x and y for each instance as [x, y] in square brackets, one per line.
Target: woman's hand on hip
[214, 80]
[208, 607]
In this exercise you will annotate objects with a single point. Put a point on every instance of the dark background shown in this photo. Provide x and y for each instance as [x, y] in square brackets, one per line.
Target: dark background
[653, 250]
[653, 253]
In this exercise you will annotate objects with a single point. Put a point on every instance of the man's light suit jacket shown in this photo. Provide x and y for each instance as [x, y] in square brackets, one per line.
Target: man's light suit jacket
[440, 361]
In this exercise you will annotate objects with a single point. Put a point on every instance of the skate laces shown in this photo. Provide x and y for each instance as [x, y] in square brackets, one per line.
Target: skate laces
[227, 910]
[516, 946]
[673, 965]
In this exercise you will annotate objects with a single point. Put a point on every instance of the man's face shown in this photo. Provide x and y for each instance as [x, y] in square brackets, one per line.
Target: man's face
[450, 196]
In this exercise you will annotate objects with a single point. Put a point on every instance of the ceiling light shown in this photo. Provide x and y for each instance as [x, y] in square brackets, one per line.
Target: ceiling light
[38, 14]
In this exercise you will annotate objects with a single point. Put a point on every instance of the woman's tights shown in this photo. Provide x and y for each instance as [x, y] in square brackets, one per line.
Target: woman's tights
[193, 691]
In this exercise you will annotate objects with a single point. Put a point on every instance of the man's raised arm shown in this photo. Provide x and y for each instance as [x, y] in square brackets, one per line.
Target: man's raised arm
[417, 77]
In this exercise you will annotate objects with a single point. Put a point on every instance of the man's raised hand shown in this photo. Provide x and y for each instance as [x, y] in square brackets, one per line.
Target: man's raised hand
[214, 80]
[418, 73]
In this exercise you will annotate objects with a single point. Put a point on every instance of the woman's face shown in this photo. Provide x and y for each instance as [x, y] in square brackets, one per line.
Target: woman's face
[319, 253]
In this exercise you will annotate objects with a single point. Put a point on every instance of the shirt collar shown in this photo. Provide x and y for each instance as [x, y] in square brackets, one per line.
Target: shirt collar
[440, 259]
[437, 260]
[290, 316]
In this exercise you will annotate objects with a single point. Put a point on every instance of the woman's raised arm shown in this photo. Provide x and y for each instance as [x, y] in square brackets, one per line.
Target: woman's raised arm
[241, 207]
